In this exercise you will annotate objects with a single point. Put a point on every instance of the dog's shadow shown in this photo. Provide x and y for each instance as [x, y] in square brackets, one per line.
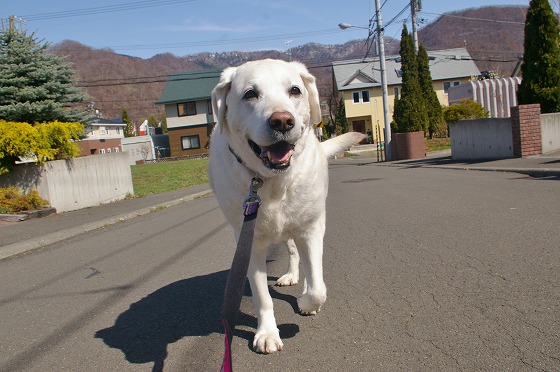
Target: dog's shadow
[189, 307]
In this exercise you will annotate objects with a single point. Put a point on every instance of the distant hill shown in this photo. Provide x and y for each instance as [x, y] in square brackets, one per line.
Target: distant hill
[115, 81]
[489, 43]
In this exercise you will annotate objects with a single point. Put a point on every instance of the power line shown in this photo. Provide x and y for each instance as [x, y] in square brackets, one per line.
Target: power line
[103, 9]
[161, 79]
[474, 18]
[205, 43]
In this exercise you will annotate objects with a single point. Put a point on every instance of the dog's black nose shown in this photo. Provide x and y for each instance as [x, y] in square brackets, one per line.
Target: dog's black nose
[281, 121]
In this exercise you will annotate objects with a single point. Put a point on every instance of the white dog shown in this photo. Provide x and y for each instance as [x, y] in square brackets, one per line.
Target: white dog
[264, 111]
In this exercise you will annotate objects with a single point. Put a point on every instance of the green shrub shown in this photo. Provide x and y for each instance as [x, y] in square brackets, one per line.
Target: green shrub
[42, 142]
[13, 201]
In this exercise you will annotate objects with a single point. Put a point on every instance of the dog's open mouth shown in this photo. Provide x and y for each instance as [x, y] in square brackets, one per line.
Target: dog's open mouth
[275, 156]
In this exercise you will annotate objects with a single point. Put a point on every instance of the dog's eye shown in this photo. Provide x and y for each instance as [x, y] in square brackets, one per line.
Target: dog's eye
[251, 94]
[295, 91]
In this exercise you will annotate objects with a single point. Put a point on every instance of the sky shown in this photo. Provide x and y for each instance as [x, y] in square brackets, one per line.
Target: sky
[144, 28]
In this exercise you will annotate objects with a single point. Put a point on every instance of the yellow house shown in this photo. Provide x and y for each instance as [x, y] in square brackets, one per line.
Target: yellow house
[358, 83]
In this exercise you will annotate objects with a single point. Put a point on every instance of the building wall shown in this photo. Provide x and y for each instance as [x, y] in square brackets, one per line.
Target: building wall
[99, 146]
[176, 121]
[105, 131]
[175, 142]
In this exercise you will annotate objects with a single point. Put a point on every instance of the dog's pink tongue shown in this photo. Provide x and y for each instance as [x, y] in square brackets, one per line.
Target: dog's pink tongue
[278, 153]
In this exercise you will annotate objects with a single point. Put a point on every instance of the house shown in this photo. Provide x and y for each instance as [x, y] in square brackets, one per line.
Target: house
[146, 148]
[139, 148]
[188, 109]
[102, 136]
[358, 83]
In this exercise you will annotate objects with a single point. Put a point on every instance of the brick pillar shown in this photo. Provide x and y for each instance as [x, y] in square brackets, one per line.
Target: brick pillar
[526, 130]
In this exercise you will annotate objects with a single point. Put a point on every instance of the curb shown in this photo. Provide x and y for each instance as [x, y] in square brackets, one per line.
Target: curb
[34, 243]
[27, 215]
[533, 172]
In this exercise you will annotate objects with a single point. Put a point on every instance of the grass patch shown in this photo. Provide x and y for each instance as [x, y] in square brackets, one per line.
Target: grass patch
[437, 144]
[161, 177]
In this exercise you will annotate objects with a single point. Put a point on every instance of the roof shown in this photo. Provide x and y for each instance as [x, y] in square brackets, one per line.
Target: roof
[105, 122]
[444, 65]
[189, 86]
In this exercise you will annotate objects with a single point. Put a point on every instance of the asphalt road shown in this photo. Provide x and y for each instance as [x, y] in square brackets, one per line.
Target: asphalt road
[426, 269]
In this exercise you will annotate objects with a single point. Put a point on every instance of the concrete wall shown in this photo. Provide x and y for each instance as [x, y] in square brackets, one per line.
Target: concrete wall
[550, 129]
[481, 139]
[76, 183]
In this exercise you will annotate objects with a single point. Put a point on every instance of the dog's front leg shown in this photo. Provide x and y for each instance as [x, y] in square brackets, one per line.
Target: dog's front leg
[315, 292]
[292, 276]
[267, 338]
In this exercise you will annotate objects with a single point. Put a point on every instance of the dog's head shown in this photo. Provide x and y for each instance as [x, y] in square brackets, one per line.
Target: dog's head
[264, 108]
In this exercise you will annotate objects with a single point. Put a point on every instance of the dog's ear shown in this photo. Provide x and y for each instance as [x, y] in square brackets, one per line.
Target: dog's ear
[219, 95]
[312, 92]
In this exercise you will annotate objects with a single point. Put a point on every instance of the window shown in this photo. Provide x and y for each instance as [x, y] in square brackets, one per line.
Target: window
[449, 84]
[116, 149]
[109, 150]
[365, 96]
[102, 151]
[186, 108]
[361, 97]
[190, 142]
[397, 92]
[209, 104]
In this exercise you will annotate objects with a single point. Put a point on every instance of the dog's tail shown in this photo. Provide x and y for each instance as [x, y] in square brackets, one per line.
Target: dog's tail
[340, 143]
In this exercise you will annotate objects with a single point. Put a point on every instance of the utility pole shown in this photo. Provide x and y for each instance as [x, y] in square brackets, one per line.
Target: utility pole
[384, 92]
[289, 51]
[415, 6]
[10, 26]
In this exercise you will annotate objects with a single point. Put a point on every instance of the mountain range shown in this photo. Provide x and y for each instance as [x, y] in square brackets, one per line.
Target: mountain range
[493, 35]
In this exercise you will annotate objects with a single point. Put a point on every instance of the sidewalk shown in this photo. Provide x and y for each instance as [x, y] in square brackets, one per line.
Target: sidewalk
[536, 166]
[20, 237]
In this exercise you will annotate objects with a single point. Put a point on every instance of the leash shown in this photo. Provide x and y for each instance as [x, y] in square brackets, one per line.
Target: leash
[238, 273]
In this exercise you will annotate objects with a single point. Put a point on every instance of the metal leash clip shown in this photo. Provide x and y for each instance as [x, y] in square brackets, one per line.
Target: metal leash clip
[252, 201]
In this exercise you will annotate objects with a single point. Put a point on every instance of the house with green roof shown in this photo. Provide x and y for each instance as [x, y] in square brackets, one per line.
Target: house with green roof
[188, 109]
[358, 84]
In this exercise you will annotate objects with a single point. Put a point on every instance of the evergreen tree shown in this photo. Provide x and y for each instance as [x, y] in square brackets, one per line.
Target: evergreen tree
[341, 122]
[433, 107]
[541, 58]
[35, 86]
[163, 123]
[128, 130]
[410, 112]
[153, 121]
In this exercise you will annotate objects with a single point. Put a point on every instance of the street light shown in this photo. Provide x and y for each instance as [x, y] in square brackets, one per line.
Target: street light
[384, 93]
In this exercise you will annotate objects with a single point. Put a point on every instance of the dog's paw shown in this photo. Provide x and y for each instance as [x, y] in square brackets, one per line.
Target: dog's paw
[310, 304]
[267, 342]
[287, 280]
